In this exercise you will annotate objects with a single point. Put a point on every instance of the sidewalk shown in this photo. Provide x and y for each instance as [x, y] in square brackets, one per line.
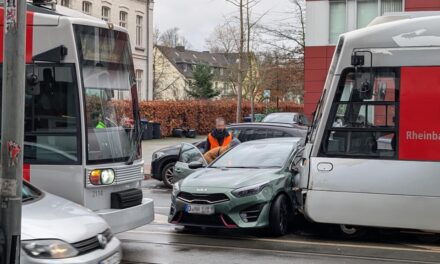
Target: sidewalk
[150, 146]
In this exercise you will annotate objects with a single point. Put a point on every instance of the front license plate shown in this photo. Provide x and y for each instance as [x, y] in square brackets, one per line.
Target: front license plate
[199, 209]
[114, 259]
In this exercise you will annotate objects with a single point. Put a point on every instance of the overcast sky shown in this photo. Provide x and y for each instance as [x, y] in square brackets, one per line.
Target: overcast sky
[197, 18]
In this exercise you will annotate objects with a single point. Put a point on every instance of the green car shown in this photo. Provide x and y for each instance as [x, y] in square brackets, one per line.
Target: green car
[249, 186]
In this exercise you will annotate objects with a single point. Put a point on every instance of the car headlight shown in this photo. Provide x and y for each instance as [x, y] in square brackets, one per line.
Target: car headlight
[249, 190]
[158, 155]
[102, 177]
[49, 249]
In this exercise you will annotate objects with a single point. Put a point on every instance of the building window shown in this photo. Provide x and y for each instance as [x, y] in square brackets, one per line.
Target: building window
[185, 67]
[391, 6]
[65, 3]
[139, 77]
[222, 71]
[139, 30]
[367, 10]
[123, 16]
[106, 13]
[87, 7]
[338, 20]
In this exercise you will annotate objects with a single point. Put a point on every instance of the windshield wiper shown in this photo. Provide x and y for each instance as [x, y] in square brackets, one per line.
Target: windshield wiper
[27, 199]
[240, 167]
[134, 150]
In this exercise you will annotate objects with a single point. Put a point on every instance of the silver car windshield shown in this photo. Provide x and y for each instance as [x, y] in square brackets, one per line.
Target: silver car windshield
[259, 155]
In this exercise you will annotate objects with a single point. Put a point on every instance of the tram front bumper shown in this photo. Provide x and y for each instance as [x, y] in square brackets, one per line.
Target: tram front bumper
[121, 220]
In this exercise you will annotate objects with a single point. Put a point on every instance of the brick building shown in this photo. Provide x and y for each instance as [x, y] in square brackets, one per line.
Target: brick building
[327, 19]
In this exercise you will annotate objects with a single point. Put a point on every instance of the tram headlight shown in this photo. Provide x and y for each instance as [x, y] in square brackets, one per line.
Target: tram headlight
[102, 177]
[107, 177]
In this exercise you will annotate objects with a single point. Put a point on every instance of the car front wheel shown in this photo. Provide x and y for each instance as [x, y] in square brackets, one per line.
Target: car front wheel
[167, 174]
[279, 216]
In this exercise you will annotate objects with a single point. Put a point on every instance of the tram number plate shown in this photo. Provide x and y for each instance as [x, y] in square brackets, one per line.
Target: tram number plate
[199, 209]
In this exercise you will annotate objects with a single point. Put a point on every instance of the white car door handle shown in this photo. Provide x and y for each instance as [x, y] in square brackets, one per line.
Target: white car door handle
[325, 166]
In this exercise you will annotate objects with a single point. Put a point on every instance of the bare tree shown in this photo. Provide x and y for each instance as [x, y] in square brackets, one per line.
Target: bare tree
[224, 39]
[172, 38]
[288, 34]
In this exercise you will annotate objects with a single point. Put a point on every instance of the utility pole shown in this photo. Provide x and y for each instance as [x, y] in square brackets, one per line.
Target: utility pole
[240, 64]
[12, 130]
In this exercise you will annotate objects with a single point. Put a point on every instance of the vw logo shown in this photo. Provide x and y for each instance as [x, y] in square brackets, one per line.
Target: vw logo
[102, 240]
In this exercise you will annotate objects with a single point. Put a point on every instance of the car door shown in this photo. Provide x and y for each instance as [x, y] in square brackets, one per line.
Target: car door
[188, 153]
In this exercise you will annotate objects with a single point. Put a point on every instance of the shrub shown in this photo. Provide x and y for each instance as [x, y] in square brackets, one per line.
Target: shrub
[201, 114]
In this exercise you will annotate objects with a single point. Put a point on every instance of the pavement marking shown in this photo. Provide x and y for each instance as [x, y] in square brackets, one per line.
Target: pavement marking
[160, 219]
[351, 257]
[418, 249]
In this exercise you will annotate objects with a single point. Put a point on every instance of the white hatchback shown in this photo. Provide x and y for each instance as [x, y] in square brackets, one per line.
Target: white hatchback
[55, 230]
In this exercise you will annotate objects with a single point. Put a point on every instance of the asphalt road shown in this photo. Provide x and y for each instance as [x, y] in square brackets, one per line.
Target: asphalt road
[161, 242]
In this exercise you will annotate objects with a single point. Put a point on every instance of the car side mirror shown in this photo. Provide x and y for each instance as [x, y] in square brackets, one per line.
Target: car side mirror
[294, 169]
[194, 165]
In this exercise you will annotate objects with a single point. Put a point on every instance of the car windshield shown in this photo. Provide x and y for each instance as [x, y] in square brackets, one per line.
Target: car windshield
[109, 86]
[29, 193]
[256, 155]
[279, 118]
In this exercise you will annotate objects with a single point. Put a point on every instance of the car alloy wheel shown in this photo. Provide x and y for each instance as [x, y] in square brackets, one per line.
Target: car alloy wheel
[279, 216]
[168, 175]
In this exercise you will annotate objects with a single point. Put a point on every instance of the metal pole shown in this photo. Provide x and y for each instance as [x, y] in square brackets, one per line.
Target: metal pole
[12, 130]
[147, 73]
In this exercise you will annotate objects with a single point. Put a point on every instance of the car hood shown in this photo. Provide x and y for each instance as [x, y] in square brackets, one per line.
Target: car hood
[56, 218]
[174, 149]
[228, 178]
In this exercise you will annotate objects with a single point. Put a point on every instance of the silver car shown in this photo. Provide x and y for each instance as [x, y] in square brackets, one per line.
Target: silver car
[55, 230]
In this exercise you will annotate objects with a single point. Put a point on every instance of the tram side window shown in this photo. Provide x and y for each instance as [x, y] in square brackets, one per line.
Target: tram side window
[52, 116]
[363, 115]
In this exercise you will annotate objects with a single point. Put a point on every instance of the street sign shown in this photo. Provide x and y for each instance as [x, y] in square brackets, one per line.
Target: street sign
[266, 94]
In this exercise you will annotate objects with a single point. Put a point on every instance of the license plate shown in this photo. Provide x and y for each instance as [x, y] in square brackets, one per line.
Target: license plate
[199, 209]
[114, 259]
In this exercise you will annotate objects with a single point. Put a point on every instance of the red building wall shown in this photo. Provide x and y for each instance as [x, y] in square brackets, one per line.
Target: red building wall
[318, 59]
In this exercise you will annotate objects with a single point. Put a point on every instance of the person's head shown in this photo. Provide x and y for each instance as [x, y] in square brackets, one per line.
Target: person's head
[220, 124]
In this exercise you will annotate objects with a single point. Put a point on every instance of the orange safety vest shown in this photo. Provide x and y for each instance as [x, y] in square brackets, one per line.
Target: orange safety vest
[213, 142]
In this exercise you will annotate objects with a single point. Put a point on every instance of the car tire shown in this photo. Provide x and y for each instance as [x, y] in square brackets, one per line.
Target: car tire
[279, 216]
[167, 174]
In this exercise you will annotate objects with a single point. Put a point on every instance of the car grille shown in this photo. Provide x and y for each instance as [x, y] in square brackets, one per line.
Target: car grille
[203, 198]
[92, 244]
[216, 220]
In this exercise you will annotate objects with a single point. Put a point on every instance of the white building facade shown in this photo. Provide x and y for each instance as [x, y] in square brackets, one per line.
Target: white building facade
[137, 17]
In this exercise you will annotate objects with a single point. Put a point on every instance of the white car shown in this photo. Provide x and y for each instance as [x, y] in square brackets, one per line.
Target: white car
[55, 230]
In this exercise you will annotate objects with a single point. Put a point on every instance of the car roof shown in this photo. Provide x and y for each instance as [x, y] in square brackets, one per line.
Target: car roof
[283, 140]
[256, 124]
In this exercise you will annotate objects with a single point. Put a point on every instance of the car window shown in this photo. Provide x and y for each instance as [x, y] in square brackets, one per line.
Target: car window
[280, 118]
[190, 153]
[235, 132]
[275, 133]
[255, 134]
